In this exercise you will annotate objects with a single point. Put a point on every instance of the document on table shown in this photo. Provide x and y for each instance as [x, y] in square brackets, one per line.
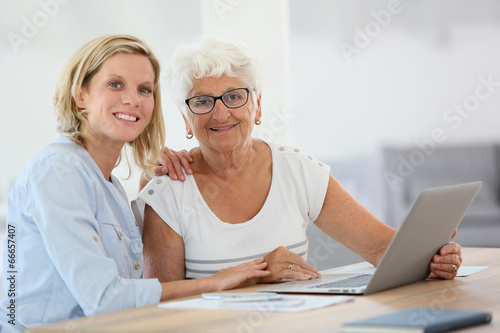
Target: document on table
[285, 303]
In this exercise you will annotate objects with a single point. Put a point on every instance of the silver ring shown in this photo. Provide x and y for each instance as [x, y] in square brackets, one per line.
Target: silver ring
[454, 269]
[290, 267]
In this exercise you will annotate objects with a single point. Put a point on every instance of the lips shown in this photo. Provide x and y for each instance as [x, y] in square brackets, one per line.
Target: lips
[126, 117]
[225, 128]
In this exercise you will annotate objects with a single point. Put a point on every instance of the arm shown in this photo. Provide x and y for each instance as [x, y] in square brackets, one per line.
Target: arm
[227, 278]
[62, 204]
[163, 249]
[164, 255]
[347, 221]
[164, 259]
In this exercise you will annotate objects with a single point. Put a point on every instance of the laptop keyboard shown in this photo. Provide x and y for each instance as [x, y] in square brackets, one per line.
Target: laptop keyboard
[353, 281]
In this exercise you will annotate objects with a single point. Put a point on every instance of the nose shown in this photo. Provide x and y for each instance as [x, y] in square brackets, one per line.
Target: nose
[131, 97]
[220, 111]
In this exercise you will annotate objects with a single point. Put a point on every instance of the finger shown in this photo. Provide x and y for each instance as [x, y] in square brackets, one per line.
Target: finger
[300, 265]
[295, 272]
[455, 259]
[170, 162]
[185, 159]
[258, 274]
[259, 260]
[296, 260]
[189, 158]
[301, 270]
[174, 164]
[165, 166]
[305, 267]
[449, 248]
[256, 264]
[160, 170]
[454, 234]
[444, 271]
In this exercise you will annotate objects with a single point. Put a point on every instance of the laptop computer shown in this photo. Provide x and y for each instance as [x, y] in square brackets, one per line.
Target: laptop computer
[430, 223]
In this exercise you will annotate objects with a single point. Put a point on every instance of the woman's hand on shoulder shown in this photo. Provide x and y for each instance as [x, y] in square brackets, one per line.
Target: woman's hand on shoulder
[285, 264]
[170, 162]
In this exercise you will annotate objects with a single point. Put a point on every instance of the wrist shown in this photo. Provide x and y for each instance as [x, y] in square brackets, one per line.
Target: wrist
[207, 284]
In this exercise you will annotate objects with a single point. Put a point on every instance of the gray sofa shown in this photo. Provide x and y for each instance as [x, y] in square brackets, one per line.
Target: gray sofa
[408, 171]
[388, 183]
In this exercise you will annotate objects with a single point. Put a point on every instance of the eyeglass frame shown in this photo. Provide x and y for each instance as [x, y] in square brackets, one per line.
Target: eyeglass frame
[248, 90]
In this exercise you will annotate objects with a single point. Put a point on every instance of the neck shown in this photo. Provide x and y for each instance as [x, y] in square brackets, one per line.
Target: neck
[104, 155]
[228, 164]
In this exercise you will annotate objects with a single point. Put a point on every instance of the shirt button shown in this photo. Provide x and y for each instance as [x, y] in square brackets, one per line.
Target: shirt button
[121, 234]
[137, 266]
[151, 192]
[296, 150]
[158, 181]
[282, 148]
[95, 238]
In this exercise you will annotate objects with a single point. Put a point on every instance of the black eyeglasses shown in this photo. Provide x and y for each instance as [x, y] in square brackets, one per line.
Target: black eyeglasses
[232, 99]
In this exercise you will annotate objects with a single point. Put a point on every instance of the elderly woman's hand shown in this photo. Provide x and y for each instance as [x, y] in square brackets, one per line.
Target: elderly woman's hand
[446, 263]
[285, 264]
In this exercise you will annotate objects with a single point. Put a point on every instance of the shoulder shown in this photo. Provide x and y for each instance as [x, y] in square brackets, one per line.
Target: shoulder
[163, 187]
[294, 157]
[61, 151]
[58, 161]
[165, 196]
[56, 174]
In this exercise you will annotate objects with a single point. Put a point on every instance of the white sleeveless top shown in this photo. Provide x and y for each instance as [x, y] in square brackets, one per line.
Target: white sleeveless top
[298, 189]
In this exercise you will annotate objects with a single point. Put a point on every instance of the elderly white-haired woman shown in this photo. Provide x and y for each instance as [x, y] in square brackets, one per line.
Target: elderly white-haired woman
[243, 197]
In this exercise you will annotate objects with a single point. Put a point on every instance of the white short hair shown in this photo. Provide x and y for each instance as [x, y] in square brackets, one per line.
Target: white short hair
[210, 57]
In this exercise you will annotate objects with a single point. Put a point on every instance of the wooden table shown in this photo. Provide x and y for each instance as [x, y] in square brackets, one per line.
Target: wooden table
[480, 291]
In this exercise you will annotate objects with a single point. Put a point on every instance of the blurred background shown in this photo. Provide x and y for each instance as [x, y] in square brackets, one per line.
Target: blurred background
[374, 88]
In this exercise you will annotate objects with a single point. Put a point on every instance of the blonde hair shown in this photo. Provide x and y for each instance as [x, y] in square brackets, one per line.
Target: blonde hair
[77, 74]
[210, 57]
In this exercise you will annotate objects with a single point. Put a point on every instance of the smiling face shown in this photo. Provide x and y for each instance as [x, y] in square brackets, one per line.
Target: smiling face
[224, 128]
[119, 100]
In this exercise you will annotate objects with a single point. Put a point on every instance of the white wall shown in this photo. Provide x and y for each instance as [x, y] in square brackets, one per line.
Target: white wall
[399, 85]
[426, 58]
[37, 38]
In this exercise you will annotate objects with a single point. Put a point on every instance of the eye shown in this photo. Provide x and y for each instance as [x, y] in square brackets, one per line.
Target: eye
[201, 101]
[115, 85]
[145, 90]
[233, 96]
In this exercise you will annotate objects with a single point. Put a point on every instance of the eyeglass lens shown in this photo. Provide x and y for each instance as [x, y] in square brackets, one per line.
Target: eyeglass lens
[232, 99]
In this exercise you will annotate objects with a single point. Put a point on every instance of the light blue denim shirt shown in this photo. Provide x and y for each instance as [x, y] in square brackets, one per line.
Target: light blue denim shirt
[72, 247]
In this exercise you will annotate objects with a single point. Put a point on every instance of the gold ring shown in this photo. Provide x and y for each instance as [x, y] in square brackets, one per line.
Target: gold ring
[290, 267]
[454, 269]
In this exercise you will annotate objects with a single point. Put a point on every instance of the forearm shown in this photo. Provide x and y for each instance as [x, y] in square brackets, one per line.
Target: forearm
[185, 288]
[344, 219]
[380, 246]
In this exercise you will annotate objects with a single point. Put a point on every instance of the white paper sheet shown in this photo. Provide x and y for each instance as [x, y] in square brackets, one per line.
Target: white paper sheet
[288, 303]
